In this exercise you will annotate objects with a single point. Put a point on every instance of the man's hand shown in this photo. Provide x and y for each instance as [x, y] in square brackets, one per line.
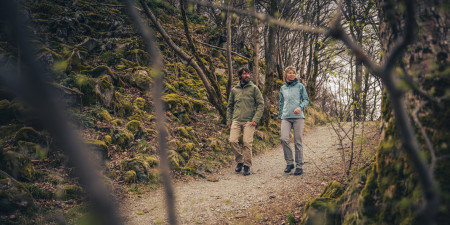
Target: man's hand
[254, 123]
[229, 126]
[297, 111]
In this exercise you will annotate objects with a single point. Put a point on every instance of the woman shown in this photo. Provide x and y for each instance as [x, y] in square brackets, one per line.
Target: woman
[293, 101]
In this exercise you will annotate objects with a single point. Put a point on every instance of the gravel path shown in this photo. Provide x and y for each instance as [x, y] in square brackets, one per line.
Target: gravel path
[267, 196]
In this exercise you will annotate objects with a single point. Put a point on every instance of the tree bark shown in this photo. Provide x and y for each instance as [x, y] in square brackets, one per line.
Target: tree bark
[229, 62]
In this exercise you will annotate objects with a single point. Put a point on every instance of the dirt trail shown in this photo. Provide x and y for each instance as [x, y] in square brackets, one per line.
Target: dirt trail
[267, 196]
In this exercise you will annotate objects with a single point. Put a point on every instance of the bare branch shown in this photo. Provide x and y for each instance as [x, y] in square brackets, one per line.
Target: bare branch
[156, 66]
[264, 17]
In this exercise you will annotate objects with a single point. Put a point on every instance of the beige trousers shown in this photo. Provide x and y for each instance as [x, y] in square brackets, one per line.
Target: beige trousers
[242, 154]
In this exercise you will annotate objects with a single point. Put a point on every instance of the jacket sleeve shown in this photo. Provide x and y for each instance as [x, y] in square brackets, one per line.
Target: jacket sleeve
[230, 107]
[280, 110]
[304, 100]
[259, 101]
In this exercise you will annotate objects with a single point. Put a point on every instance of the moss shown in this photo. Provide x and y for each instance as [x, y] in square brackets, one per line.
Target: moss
[102, 70]
[18, 166]
[98, 146]
[186, 132]
[130, 176]
[7, 131]
[122, 138]
[332, 190]
[135, 127]
[123, 106]
[177, 103]
[152, 161]
[87, 86]
[107, 139]
[104, 115]
[139, 103]
[70, 191]
[214, 144]
[13, 195]
[175, 159]
[175, 145]
[141, 80]
[117, 122]
[28, 134]
[189, 147]
[143, 166]
[36, 151]
[40, 193]
[320, 211]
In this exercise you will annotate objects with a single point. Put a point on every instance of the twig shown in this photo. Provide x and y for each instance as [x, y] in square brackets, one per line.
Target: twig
[156, 66]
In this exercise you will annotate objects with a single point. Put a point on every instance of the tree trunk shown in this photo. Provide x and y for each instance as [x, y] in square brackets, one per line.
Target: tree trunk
[255, 41]
[229, 62]
[270, 66]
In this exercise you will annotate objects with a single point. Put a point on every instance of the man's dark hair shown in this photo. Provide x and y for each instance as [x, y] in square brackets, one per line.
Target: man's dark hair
[242, 69]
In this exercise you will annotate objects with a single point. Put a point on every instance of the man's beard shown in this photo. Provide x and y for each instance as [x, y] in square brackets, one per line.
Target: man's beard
[243, 81]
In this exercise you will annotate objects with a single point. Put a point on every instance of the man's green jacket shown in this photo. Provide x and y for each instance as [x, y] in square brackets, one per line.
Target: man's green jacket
[245, 104]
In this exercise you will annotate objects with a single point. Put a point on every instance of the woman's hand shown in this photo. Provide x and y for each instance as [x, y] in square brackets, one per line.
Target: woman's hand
[297, 111]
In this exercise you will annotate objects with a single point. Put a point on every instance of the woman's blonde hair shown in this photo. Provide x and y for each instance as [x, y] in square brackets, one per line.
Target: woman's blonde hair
[289, 68]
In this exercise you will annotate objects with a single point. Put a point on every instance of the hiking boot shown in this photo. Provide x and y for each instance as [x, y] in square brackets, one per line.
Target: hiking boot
[298, 171]
[246, 170]
[239, 167]
[288, 168]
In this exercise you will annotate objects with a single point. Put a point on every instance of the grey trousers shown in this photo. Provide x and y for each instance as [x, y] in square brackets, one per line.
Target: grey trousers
[286, 126]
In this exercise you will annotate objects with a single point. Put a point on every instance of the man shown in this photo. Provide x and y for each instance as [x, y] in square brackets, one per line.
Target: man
[245, 108]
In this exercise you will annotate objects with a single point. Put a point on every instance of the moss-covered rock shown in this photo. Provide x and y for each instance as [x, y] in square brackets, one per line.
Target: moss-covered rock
[130, 176]
[175, 159]
[117, 122]
[122, 104]
[104, 89]
[139, 103]
[7, 131]
[214, 144]
[40, 193]
[29, 134]
[107, 139]
[177, 104]
[98, 146]
[18, 166]
[142, 165]
[175, 145]
[35, 151]
[122, 138]
[186, 132]
[135, 127]
[13, 194]
[70, 191]
[141, 80]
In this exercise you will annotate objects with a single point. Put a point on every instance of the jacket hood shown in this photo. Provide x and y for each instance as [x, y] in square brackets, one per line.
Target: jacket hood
[248, 84]
[292, 82]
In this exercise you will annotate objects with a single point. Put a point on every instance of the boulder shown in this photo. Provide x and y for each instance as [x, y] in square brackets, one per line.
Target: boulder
[13, 194]
[17, 165]
[142, 166]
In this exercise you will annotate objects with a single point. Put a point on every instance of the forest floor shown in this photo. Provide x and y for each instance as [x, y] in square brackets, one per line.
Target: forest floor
[267, 196]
